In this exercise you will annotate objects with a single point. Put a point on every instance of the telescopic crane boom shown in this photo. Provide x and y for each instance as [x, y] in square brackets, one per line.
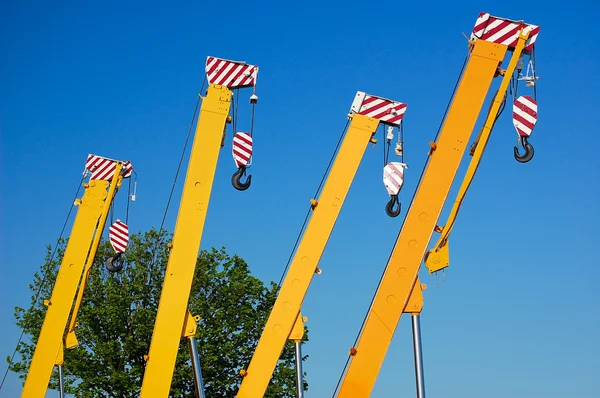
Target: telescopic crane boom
[399, 290]
[173, 321]
[106, 177]
[366, 114]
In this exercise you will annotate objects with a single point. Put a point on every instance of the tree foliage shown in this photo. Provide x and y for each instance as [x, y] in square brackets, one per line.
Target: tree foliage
[117, 316]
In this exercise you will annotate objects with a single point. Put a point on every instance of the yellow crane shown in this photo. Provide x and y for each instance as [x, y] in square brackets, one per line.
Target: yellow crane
[285, 322]
[400, 290]
[105, 179]
[173, 320]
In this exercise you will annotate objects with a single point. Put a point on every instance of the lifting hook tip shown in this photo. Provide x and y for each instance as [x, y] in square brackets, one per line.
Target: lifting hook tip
[528, 155]
[115, 263]
[236, 179]
[389, 208]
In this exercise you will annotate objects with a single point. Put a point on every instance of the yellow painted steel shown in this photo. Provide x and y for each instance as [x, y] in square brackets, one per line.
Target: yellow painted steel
[90, 219]
[438, 257]
[304, 264]
[71, 339]
[297, 333]
[415, 300]
[172, 309]
[401, 272]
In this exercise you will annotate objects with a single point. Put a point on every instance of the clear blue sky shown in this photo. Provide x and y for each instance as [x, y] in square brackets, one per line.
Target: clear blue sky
[518, 315]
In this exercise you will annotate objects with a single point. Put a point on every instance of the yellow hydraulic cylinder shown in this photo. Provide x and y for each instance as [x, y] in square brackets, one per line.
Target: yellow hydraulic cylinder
[172, 310]
[304, 264]
[402, 270]
[90, 220]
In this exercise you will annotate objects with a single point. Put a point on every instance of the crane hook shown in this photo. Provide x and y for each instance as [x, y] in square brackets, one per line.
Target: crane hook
[115, 263]
[236, 179]
[528, 150]
[389, 208]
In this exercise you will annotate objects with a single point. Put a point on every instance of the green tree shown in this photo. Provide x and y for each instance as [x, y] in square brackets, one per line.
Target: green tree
[117, 318]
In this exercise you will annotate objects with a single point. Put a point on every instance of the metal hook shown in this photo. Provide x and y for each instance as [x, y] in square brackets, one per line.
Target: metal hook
[389, 208]
[236, 179]
[115, 263]
[528, 150]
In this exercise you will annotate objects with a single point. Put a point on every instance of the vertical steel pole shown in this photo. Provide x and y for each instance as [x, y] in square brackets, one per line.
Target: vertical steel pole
[196, 367]
[416, 328]
[61, 382]
[299, 374]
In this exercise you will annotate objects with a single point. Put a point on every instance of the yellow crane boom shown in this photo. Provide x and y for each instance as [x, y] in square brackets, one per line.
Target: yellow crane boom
[365, 118]
[93, 208]
[399, 290]
[173, 320]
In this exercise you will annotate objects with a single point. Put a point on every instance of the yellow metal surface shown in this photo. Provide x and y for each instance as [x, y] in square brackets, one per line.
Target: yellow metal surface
[293, 290]
[190, 325]
[71, 339]
[438, 258]
[297, 332]
[415, 300]
[402, 270]
[90, 219]
[172, 309]
[60, 357]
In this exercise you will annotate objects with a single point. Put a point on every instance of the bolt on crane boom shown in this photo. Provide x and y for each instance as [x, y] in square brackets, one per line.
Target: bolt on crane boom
[400, 290]
[366, 114]
[93, 208]
[173, 320]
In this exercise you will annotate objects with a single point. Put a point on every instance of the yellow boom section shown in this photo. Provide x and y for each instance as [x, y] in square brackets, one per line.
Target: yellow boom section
[293, 290]
[402, 270]
[172, 309]
[90, 220]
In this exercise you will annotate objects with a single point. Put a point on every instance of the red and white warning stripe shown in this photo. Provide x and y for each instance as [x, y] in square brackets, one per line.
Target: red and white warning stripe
[503, 31]
[104, 168]
[393, 177]
[242, 148]
[525, 115]
[119, 236]
[232, 74]
[387, 111]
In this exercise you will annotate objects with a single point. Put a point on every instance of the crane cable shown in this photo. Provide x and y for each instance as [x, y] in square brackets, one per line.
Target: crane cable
[337, 147]
[405, 215]
[45, 277]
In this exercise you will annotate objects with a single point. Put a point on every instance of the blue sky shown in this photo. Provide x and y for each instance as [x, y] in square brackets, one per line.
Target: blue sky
[518, 314]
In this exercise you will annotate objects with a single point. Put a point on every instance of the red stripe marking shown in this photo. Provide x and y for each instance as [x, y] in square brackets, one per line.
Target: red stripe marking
[117, 240]
[523, 121]
[495, 30]
[524, 108]
[224, 80]
[392, 181]
[119, 228]
[212, 69]
[375, 108]
[395, 119]
[513, 33]
[368, 99]
[383, 114]
[238, 74]
[244, 137]
[102, 169]
[532, 36]
[241, 155]
[249, 81]
[482, 24]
